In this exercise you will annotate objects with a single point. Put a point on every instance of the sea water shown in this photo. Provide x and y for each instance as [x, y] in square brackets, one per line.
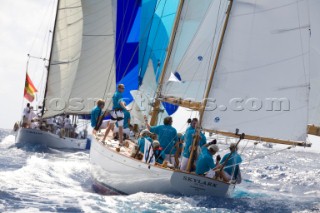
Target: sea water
[40, 179]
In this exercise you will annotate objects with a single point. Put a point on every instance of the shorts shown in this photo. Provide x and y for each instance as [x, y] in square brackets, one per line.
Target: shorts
[25, 119]
[211, 174]
[124, 131]
[117, 116]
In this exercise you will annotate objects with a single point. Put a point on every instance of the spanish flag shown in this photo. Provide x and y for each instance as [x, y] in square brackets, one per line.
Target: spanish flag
[29, 89]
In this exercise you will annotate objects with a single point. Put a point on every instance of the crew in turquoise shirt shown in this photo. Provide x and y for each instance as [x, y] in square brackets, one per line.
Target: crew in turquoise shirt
[232, 165]
[159, 155]
[188, 138]
[167, 136]
[141, 142]
[95, 113]
[116, 99]
[205, 162]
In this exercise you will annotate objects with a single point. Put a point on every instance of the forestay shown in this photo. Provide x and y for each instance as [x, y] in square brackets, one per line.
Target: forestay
[264, 55]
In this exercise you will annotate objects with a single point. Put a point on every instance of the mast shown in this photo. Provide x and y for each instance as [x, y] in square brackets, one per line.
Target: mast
[51, 52]
[201, 111]
[156, 106]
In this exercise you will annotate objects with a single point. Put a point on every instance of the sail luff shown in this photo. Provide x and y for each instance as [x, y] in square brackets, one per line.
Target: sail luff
[50, 57]
[156, 107]
[205, 100]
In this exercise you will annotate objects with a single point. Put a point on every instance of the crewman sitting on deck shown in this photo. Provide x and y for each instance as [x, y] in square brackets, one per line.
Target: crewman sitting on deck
[144, 135]
[159, 154]
[231, 168]
[205, 161]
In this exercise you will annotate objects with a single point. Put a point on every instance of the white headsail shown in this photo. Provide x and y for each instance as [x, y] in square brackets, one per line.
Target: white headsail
[194, 46]
[66, 51]
[82, 66]
[261, 84]
[96, 72]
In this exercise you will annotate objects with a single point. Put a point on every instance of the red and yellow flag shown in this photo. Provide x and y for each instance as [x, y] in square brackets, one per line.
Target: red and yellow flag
[29, 89]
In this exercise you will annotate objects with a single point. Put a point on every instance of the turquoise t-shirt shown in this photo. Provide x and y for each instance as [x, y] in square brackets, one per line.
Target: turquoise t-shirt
[116, 99]
[188, 139]
[95, 113]
[205, 162]
[235, 159]
[141, 143]
[167, 136]
[159, 155]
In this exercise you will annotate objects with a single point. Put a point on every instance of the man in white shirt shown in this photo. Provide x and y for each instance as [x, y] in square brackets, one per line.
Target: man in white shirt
[25, 115]
[31, 115]
[50, 123]
[67, 125]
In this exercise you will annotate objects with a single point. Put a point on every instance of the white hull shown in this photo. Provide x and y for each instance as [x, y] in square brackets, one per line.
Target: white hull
[35, 136]
[125, 175]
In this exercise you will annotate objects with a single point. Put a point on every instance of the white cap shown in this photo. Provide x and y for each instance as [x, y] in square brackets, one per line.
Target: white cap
[144, 132]
[214, 148]
[156, 144]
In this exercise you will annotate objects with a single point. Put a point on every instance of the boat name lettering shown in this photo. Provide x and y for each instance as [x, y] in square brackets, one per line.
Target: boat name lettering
[35, 133]
[198, 181]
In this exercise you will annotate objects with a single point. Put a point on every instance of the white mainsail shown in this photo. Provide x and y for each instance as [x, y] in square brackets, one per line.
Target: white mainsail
[264, 56]
[194, 46]
[95, 76]
[82, 67]
[314, 109]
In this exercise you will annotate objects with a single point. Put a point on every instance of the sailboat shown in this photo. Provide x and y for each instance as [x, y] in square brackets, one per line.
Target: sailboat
[80, 71]
[240, 64]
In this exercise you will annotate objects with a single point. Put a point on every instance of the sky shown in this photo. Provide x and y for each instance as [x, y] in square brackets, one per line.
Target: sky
[24, 29]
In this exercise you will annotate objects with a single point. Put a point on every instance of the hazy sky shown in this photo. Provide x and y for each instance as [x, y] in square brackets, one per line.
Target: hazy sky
[24, 29]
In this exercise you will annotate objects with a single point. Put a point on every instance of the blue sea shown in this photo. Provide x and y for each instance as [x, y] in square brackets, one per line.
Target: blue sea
[40, 179]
